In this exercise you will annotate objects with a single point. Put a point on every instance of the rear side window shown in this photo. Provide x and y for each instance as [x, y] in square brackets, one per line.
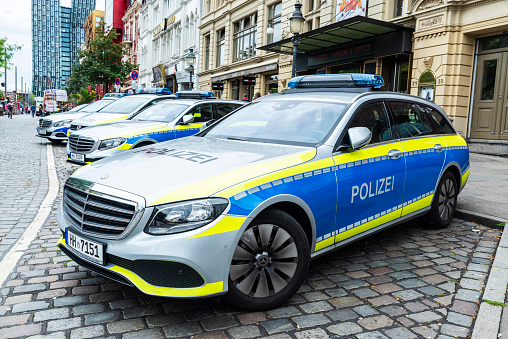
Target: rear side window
[374, 117]
[435, 117]
[407, 120]
[224, 108]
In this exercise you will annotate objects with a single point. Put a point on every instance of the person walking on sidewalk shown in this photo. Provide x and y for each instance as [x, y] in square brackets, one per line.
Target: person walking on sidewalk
[10, 110]
[32, 109]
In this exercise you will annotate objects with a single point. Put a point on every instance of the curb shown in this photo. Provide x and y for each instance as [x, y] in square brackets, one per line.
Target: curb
[488, 321]
[479, 218]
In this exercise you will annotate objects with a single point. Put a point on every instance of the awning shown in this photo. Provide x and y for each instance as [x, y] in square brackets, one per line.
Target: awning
[344, 32]
[261, 67]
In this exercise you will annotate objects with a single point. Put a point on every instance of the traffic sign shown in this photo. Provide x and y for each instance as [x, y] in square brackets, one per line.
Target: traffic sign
[117, 81]
[134, 75]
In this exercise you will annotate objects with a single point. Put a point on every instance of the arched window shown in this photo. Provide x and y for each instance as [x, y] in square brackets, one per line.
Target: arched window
[427, 85]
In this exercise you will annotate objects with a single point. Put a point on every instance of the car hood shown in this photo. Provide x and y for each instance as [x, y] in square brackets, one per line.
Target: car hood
[124, 129]
[64, 116]
[192, 167]
[99, 118]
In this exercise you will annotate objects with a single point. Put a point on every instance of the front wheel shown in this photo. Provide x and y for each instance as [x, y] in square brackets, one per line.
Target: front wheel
[270, 262]
[445, 202]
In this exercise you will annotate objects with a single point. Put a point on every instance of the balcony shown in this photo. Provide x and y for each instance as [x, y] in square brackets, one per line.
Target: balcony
[127, 38]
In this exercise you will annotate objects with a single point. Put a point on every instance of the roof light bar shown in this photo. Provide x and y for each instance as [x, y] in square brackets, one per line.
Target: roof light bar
[194, 95]
[345, 80]
[152, 90]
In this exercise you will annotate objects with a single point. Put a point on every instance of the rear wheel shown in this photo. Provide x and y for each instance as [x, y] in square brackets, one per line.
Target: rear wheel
[270, 262]
[445, 202]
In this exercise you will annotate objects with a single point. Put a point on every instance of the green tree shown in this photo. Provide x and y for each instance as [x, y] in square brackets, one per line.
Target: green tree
[31, 98]
[101, 62]
[6, 54]
[83, 96]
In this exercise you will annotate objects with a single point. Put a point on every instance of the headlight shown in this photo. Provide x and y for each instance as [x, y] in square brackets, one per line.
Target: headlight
[62, 123]
[185, 216]
[111, 143]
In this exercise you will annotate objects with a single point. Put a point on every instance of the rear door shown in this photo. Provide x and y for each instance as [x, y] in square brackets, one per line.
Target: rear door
[371, 179]
[424, 151]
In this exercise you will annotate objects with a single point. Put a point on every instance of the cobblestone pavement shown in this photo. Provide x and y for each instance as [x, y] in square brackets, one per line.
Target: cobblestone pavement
[23, 177]
[407, 282]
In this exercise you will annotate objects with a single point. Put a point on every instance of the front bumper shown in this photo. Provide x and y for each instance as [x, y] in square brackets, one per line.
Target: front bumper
[59, 133]
[186, 265]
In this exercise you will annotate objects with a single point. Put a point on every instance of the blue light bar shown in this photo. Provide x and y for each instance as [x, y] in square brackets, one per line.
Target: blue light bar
[194, 95]
[344, 80]
[163, 91]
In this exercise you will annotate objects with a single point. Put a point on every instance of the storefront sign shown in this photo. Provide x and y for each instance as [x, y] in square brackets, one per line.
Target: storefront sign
[217, 86]
[159, 76]
[161, 27]
[342, 54]
[170, 21]
[349, 8]
[247, 81]
[255, 70]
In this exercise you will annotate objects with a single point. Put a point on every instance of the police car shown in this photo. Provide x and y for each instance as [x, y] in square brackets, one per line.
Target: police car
[125, 107]
[242, 207]
[55, 127]
[167, 120]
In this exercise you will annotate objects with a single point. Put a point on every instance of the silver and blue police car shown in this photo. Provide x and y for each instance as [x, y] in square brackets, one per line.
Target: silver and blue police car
[125, 107]
[54, 127]
[241, 208]
[167, 120]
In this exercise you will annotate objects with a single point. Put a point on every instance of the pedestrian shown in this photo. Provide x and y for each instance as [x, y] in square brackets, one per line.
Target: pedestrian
[40, 110]
[32, 109]
[245, 97]
[270, 91]
[256, 96]
[10, 110]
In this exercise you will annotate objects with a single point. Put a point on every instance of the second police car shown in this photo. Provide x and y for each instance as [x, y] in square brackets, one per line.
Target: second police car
[240, 208]
[167, 120]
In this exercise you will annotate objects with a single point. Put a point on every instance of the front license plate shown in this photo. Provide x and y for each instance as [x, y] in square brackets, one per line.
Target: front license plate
[78, 157]
[42, 132]
[92, 250]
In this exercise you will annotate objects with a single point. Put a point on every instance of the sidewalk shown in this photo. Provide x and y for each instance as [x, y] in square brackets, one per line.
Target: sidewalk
[485, 200]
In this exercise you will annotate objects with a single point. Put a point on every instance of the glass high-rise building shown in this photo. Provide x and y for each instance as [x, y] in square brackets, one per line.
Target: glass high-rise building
[57, 33]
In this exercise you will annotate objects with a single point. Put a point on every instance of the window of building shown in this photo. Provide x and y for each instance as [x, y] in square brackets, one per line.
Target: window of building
[399, 6]
[221, 48]
[274, 21]
[244, 38]
[207, 52]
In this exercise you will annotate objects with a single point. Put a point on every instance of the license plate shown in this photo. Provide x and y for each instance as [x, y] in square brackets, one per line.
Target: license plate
[92, 250]
[42, 132]
[78, 157]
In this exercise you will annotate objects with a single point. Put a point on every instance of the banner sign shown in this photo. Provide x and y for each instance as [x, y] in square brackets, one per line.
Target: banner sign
[342, 54]
[159, 75]
[349, 8]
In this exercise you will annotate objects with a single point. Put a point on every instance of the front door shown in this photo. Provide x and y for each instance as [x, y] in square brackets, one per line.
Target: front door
[490, 105]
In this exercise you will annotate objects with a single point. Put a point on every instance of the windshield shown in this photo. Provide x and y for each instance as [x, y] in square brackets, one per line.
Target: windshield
[78, 108]
[126, 105]
[295, 122]
[163, 111]
[96, 105]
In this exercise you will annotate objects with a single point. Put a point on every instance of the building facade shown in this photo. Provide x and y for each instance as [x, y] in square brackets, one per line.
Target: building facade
[131, 39]
[452, 52]
[93, 20]
[57, 33]
[168, 30]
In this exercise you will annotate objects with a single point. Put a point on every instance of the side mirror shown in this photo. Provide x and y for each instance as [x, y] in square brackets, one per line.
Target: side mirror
[187, 119]
[359, 137]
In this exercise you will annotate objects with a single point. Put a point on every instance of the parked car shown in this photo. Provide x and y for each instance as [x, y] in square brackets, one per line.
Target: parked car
[55, 127]
[166, 120]
[241, 208]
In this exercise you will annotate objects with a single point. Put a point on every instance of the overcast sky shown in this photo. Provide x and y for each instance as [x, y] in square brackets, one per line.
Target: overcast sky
[15, 25]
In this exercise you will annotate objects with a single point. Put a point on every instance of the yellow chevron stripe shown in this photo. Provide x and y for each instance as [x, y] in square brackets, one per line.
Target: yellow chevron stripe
[227, 224]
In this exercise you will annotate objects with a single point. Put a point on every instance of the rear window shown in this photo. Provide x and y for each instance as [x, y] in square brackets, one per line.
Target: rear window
[407, 120]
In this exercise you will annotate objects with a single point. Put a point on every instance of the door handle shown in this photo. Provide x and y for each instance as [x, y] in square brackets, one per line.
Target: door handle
[438, 148]
[394, 154]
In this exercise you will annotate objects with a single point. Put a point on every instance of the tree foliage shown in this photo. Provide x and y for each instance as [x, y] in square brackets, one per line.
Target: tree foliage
[83, 96]
[31, 98]
[6, 54]
[101, 62]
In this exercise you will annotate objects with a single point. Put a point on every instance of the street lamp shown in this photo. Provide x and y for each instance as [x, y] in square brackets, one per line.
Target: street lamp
[296, 22]
[191, 59]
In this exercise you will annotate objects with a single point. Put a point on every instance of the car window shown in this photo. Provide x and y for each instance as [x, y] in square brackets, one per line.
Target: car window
[407, 120]
[126, 105]
[375, 118]
[225, 108]
[440, 123]
[300, 122]
[202, 113]
[97, 105]
[164, 112]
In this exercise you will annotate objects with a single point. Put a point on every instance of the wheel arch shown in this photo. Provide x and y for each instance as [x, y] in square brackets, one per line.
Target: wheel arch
[454, 168]
[143, 142]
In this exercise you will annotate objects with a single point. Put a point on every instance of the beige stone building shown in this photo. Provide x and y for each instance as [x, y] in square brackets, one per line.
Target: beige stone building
[454, 52]
[92, 21]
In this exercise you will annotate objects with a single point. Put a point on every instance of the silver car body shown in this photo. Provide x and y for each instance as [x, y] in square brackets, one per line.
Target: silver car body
[252, 176]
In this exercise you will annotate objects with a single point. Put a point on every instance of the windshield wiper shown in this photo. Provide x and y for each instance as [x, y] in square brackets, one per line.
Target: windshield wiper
[239, 139]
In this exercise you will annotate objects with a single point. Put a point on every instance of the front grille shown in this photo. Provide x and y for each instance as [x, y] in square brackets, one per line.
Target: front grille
[81, 144]
[97, 214]
[161, 273]
[45, 123]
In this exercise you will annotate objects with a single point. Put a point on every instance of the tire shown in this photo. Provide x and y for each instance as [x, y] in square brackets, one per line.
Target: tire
[270, 262]
[445, 202]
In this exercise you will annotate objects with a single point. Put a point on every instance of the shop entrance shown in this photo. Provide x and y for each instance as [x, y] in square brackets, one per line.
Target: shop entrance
[490, 103]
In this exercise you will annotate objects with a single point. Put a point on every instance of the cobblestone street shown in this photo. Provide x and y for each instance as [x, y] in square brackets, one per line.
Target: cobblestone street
[407, 282]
